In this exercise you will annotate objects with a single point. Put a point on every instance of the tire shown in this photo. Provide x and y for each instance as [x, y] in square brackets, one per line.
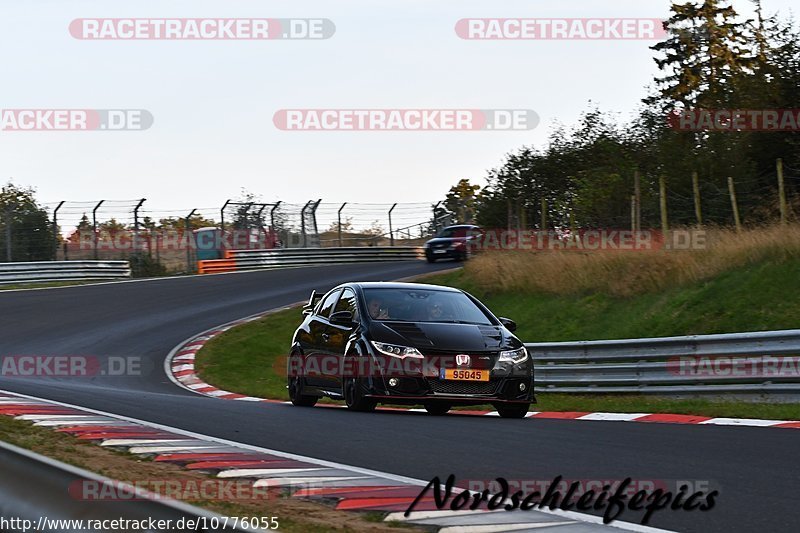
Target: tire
[437, 408]
[295, 389]
[512, 411]
[353, 392]
[430, 259]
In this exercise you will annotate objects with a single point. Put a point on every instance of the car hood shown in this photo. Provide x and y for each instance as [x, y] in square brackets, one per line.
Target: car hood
[427, 336]
[445, 240]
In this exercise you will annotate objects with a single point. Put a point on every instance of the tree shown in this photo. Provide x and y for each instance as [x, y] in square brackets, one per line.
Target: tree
[27, 224]
[196, 221]
[705, 50]
[84, 226]
[461, 200]
[347, 225]
[375, 229]
[247, 212]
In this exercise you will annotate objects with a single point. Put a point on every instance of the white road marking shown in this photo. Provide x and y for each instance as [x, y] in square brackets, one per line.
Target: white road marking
[623, 417]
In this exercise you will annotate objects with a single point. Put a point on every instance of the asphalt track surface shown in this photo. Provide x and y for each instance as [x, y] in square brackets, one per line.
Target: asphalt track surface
[755, 469]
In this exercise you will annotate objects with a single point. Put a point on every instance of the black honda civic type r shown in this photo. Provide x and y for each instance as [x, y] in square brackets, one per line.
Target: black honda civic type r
[408, 344]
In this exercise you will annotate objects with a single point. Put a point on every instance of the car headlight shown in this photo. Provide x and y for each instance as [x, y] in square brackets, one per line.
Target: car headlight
[515, 356]
[395, 350]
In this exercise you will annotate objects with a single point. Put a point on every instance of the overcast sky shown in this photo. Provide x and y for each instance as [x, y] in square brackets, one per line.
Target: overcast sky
[213, 102]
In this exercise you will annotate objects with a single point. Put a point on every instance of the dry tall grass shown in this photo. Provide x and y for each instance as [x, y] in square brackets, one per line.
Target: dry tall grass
[624, 273]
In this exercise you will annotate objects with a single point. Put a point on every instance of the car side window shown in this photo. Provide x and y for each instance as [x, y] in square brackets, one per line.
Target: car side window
[348, 303]
[327, 303]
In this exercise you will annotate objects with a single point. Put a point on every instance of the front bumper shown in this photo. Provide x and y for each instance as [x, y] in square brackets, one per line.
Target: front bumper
[414, 390]
[445, 253]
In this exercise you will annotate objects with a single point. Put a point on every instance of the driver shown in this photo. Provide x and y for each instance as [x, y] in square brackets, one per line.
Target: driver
[377, 309]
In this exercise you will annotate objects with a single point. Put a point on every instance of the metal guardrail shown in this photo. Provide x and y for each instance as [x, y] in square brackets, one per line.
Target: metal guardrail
[728, 363]
[63, 270]
[291, 257]
[35, 488]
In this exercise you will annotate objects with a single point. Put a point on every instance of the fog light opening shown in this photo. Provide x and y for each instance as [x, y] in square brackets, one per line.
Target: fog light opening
[393, 382]
[522, 387]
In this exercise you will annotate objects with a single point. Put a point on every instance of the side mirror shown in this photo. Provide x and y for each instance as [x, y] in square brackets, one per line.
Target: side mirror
[509, 324]
[312, 301]
[342, 318]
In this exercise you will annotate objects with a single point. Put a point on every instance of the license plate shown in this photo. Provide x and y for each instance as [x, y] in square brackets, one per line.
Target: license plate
[440, 251]
[464, 375]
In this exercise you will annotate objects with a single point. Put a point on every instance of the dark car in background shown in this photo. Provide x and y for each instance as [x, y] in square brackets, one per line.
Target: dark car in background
[408, 344]
[451, 242]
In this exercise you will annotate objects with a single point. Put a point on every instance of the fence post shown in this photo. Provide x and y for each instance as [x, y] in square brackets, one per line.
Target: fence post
[55, 231]
[543, 214]
[303, 221]
[662, 189]
[187, 235]
[222, 217]
[136, 224]
[94, 226]
[637, 194]
[391, 233]
[735, 206]
[782, 192]
[272, 216]
[435, 218]
[9, 210]
[633, 213]
[258, 217]
[696, 189]
[247, 207]
[339, 222]
[314, 216]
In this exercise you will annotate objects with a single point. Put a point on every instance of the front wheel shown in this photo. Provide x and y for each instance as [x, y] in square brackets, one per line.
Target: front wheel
[354, 396]
[295, 387]
[437, 409]
[512, 411]
[430, 259]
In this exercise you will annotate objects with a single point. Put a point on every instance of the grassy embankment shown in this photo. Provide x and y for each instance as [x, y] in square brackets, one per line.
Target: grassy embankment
[742, 282]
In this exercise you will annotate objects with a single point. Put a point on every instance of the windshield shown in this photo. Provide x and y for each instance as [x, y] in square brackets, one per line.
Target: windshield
[423, 305]
[451, 233]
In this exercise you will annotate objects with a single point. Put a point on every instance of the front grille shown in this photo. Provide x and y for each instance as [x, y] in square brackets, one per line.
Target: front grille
[443, 386]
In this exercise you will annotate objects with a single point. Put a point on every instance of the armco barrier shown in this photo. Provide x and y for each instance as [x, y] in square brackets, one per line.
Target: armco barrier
[292, 257]
[759, 362]
[63, 271]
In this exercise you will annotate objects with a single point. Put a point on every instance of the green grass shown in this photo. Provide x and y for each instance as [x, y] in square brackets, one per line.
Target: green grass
[755, 298]
[653, 404]
[46, 284]
[250, 359]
